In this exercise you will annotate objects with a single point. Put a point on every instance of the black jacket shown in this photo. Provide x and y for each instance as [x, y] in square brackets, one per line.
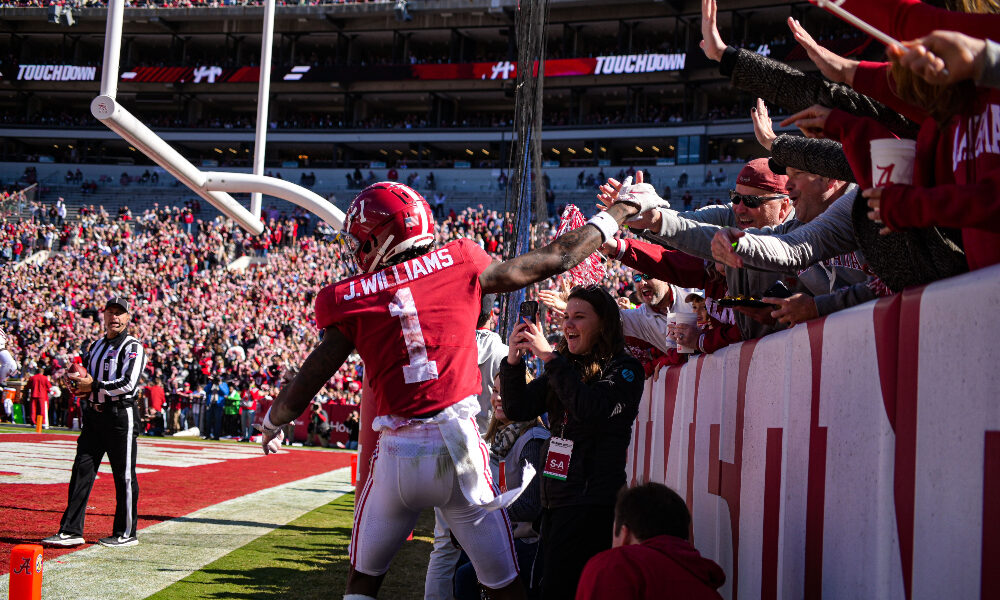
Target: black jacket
[599, 417]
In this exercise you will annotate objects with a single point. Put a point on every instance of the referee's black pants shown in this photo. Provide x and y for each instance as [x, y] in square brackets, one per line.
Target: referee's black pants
[113, 431]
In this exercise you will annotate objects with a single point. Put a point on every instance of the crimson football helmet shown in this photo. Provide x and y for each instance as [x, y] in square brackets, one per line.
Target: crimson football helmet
[384, 220]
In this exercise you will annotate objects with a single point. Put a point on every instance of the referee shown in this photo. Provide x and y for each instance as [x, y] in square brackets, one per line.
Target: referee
[114, 365]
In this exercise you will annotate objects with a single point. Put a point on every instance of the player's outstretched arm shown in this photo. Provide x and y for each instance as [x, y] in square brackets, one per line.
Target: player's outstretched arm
[562, 254]
[321, 364]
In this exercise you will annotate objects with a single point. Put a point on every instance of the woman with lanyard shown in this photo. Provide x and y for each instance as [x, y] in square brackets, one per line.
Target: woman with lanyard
[511, 444]
[591, 390]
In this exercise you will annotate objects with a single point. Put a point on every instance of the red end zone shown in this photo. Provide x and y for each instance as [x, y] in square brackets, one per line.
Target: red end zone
[181, 477]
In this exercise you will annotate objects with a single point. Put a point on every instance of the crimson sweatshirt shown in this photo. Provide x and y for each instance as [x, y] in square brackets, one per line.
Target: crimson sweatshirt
[956, 181]
[684, 270]
[910, 19]
[659, 568]
[956, 176]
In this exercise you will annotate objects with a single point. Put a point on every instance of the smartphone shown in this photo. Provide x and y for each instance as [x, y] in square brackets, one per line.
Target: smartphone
[528, 310]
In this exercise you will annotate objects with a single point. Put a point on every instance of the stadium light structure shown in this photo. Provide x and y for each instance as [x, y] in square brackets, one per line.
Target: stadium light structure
[211, 186]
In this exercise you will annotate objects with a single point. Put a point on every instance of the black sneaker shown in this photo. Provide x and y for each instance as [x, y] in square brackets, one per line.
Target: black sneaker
[64, 539]
[118, 541]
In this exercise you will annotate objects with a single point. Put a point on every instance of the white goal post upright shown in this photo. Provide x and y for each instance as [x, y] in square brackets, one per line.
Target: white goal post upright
[112, 48]
[212, 187]
[263, 101]
[133, 131]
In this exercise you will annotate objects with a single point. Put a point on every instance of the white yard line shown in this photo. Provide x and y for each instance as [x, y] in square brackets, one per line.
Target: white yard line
[171, 550]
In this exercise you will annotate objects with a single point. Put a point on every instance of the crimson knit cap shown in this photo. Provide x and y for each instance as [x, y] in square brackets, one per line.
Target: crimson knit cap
[757, 174]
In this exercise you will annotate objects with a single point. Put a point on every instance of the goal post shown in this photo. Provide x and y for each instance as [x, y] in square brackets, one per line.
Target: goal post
[214, 189]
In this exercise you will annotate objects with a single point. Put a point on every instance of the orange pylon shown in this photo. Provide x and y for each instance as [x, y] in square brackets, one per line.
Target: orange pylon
[26, 572]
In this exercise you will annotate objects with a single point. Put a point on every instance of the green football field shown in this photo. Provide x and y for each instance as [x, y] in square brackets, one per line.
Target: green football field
[253, 532]
[305, 559]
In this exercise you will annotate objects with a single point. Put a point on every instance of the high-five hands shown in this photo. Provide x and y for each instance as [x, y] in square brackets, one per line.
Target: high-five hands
[639, 194]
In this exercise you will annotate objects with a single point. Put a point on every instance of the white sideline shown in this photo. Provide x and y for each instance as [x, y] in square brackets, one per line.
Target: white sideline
[171, 550]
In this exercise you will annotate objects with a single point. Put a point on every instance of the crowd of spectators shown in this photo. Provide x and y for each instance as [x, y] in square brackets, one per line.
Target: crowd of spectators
[197, 319]
[12, 199]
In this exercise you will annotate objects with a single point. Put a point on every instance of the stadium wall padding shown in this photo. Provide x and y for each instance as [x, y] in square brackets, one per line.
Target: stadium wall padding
[854, 456]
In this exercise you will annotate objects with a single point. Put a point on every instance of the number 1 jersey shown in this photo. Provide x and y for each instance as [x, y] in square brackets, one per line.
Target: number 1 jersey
[414, 325]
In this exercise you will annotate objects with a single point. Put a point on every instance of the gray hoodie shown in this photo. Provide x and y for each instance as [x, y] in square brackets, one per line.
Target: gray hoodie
[792, 247]
[687, 232]
[492, 351]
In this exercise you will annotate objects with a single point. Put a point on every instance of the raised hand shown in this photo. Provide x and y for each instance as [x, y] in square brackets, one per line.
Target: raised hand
[553, 299]
[833, 66]
[711, 42]
[612, 188]
[762, 127]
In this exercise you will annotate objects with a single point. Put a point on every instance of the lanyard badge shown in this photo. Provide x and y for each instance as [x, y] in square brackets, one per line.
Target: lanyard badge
[557, 460]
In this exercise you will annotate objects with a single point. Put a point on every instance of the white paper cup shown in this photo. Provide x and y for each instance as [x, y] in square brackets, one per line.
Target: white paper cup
[892, 161]
[685, 319]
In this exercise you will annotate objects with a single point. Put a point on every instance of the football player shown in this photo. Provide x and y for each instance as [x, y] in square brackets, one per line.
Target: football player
[411, 314]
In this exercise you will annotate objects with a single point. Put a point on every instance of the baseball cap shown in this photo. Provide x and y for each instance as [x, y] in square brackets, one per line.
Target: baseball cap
[759, 175]
[118, 301]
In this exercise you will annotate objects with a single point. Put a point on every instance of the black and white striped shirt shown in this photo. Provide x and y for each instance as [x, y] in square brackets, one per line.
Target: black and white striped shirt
[116, 366]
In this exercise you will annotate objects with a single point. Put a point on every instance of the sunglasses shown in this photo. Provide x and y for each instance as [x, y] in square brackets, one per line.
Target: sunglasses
[641, 277]
[751, 201]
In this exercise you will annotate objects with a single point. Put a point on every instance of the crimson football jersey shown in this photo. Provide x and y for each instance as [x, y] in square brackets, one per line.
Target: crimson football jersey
[414, 325]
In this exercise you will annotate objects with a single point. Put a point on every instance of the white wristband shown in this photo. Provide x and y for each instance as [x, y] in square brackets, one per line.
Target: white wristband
[605, 223]
[621, 248]
[267, 425]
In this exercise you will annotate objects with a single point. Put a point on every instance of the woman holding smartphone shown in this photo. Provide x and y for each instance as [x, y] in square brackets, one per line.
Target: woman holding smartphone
[511, 445]
[591, 390]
